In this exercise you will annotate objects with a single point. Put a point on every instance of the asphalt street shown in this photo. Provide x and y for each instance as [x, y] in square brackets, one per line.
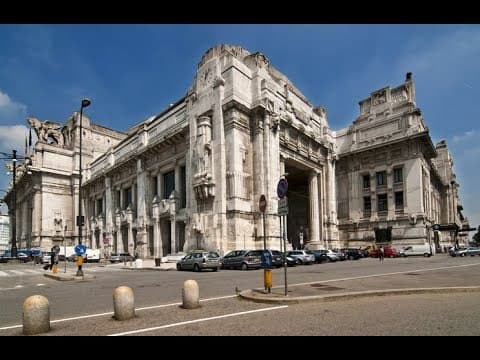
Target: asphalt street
[163, 288]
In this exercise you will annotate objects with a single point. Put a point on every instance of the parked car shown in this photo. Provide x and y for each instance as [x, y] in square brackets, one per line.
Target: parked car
[277, 258]
[122, 257]
[416, 250]
[472, 251]
[244, 259]
[199, 260]
[302, 256]
[388, 252]
[320, 256]
[352, 253]
[331, 256]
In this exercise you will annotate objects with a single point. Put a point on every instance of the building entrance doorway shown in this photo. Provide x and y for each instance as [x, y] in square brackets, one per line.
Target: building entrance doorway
[165, 228]
[298, 205]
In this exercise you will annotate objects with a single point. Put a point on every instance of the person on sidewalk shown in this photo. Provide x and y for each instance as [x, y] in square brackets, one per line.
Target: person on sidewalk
[381, 254]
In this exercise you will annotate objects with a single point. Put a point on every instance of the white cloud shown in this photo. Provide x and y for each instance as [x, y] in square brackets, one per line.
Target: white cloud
[444, 62]
[11, 111]
[12, 137]
[465, 136]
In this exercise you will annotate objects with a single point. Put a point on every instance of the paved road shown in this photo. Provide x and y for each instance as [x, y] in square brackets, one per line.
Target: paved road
[162, 287]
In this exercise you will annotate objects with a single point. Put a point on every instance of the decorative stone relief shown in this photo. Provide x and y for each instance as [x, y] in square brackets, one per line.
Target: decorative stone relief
[380, 97]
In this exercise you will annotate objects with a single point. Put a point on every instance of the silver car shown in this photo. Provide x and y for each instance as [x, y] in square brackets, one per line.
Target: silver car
[199, 260]
[302, 256]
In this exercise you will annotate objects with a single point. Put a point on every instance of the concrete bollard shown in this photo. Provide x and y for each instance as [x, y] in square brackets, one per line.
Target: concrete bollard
[190, 295]
[123, 303]
[36, 315]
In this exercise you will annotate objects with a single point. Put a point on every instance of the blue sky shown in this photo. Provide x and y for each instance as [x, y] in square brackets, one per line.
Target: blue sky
[131, 72]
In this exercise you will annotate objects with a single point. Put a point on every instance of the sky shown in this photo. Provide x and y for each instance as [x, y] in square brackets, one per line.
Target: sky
[131, 72]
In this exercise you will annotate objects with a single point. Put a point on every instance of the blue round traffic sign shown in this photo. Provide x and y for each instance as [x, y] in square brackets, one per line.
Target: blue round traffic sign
[80, 249]
[282, 188]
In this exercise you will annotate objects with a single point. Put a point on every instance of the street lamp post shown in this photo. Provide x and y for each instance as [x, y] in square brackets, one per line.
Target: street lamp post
[80, 221]
[14, 159]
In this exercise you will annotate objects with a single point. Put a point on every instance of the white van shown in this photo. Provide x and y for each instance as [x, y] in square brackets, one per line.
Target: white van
[416, 250]
[92, 255]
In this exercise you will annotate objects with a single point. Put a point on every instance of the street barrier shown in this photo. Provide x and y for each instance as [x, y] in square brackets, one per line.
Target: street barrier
[36, 315]
[190, 295]
[123, 303]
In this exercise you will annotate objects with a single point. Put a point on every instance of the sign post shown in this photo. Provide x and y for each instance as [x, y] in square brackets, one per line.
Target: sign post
[262, 205]
[80, 250]
[282, 189]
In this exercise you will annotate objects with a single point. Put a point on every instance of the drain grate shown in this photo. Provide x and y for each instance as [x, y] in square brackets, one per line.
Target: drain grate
[416, 274]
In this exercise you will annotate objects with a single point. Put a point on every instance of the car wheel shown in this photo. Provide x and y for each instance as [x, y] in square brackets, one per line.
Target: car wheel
[179, 267]
[196, 268]
[244, 267]
[299, 262]
[215, 269]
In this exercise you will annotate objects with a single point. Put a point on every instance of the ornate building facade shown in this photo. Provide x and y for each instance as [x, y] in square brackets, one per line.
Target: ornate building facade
[394, 185]
[192, 176]
[47, 194]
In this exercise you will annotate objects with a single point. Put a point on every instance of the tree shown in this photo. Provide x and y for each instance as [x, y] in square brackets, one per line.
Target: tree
[476, 237]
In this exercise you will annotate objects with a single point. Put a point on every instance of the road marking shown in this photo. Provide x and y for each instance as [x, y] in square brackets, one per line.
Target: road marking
[2, 273]
[198, 320]
[17, 272]
[40, 284]
[18, 286]
[377, 275]
[111, 313]
[33, 271]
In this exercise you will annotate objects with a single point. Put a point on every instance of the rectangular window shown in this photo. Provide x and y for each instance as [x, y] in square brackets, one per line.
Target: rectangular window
[154, 186]
[168, 184]
[382, 202]
[397, 175]
[99, 206]
[399, 200]
[127, 197]
[367, 205]
[117, 200]
[366, 181]
[183, 179]
[381, 178]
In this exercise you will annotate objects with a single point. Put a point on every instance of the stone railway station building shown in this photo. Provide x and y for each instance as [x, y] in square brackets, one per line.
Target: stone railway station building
[191, 176]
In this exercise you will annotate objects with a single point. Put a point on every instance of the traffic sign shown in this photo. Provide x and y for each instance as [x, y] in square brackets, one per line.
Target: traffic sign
[80, 249]
[282, 188]
[283, 206]
[262, 204]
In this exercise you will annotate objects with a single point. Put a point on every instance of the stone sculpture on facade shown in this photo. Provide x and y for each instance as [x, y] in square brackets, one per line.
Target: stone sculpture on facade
[203, 183]
[47, 132]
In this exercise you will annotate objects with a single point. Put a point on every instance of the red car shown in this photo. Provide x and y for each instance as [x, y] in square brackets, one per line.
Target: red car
[387, 251]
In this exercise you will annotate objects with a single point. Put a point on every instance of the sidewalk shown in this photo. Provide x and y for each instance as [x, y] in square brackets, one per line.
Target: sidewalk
[147, 264]
[382, 285]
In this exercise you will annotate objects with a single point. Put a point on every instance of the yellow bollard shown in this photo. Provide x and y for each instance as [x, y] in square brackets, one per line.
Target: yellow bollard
[79, 260]
[267, 279]
[54, 268]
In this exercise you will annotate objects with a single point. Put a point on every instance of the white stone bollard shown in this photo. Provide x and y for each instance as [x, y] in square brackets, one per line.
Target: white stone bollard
[138, 264]
[190, 295]
[123, 303]
[36, 315]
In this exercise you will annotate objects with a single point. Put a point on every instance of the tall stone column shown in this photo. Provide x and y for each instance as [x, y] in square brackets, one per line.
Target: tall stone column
[173, 230]
[320, 207]
[109, 210]
[36, 217]
[314, 204]
[157, 239]
[219, 165]
[142, 236]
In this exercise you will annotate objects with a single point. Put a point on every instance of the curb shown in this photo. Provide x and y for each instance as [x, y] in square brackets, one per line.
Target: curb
[69, 277]
[148, 268]
[264, 298]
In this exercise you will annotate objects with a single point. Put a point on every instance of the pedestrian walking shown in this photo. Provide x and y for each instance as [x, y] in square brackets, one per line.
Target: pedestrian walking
[381, 254]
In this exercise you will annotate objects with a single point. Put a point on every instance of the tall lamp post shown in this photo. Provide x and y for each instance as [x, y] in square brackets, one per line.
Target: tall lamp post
[14, 159]
[80, 218]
